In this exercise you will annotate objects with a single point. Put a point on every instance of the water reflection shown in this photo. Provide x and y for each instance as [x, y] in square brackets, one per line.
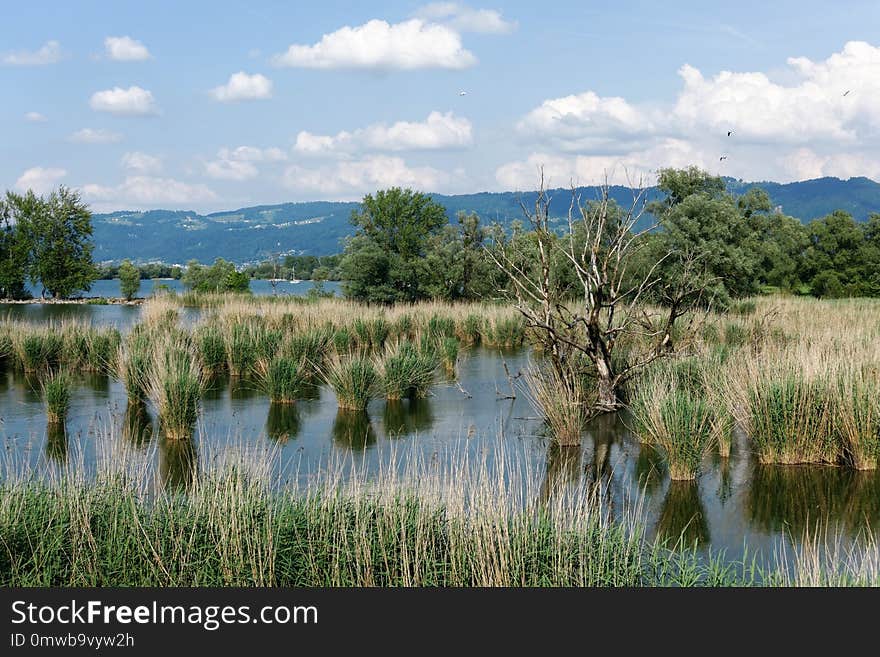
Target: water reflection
[602, 432]
[178, 463]
[682, 517]
[283, 422]
[406, 416]
[798, 498]
[650, 469]
[56, 442]
[137, 425]
[243, 388]
[563, 468]
[353, 429]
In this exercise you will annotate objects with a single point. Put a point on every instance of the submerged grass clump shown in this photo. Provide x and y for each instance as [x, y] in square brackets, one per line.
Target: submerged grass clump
[406, 371]
[791, 419]
[282, 379]
[354, 380]
[857, 419]
[134, 361]
[56, 393]
[561, 399]
[670, 413]
[212, 349]
[175, 385]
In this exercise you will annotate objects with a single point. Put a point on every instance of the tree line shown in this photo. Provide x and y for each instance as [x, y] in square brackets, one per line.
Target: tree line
[404, 249]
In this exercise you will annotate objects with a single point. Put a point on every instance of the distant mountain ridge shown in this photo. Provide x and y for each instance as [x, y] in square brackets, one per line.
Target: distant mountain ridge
[318, 227]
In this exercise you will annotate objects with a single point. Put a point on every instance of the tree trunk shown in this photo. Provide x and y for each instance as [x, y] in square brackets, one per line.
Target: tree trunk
[605, 383]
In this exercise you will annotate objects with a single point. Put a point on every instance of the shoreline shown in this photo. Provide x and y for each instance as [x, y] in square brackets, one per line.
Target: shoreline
[83, 301]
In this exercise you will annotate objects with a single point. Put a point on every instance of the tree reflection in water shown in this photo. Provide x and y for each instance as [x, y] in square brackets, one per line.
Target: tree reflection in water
[353, 429]
[178, 463]
[682, 520]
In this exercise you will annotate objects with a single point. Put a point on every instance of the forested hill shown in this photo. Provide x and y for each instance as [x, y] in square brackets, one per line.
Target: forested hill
[317, 228]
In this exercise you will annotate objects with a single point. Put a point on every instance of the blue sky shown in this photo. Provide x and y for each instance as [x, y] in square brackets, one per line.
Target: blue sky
[216, 105]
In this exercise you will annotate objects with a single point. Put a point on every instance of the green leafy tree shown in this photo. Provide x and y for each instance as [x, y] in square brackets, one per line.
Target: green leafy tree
[129, 279]
[219, 277]
[60, 229]
[15, 244]
[385, 261]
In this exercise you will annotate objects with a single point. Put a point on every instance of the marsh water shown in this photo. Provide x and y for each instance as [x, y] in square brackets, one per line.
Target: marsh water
[736, 505]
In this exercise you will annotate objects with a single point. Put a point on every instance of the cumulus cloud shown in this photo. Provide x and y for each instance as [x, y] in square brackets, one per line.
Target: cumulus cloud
[586, 120]
[39, 179]
[635, 168]
[125, 49]
[242, 86]
[466, 19]
[438, 131]
[139, 192]
[133, 101]
[35, 117]
[95, 136]
[50, 53]
[818, 120]
[141, 163]
[352, 178]
[412, 44]
[238, 163]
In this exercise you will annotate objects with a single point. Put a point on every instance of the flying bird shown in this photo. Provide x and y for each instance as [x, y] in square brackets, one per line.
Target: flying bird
[723, 157]
[462, 93]
[845, 93]
[729, 132]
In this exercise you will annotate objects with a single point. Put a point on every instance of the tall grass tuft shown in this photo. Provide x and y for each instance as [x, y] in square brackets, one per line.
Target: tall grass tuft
[38, 349]
[175, 385]
[56, 393]
[134, 360]
[282, 379]
[560, 399]
[449, 354]
[790, 419]
[857, 419]
[405, 371]
[354, 380]
[670, 415]
[212, 349]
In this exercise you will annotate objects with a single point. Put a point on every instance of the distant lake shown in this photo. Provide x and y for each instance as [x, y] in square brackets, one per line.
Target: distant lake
[110, 288]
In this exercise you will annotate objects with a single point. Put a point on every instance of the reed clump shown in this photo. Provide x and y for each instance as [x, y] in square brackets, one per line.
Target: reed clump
[561, 399]
[175, 385]
[406, 371]
[56, 393]
[354, 379]
[282, 379]
[791, 419]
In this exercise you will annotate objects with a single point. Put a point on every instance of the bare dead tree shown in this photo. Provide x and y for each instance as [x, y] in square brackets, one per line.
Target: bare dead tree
[610, 307]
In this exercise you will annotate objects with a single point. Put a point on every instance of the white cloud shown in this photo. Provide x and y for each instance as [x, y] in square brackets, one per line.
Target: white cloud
[819, 119]
[438, 131]
[231, 170]
[138, 192]
[39, 179]
[586, 120]
[133, 101]
[141, 163]
[466, 19]
[95, 136]
[238, 163]
[635, 168]
[50, 53]
[410, 45]
[252, 154]
[125, 49]
[353, 178]
[35, 117]
[242, 86]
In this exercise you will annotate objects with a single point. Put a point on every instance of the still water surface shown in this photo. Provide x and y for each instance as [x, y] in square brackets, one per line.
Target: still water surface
[735, 504]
